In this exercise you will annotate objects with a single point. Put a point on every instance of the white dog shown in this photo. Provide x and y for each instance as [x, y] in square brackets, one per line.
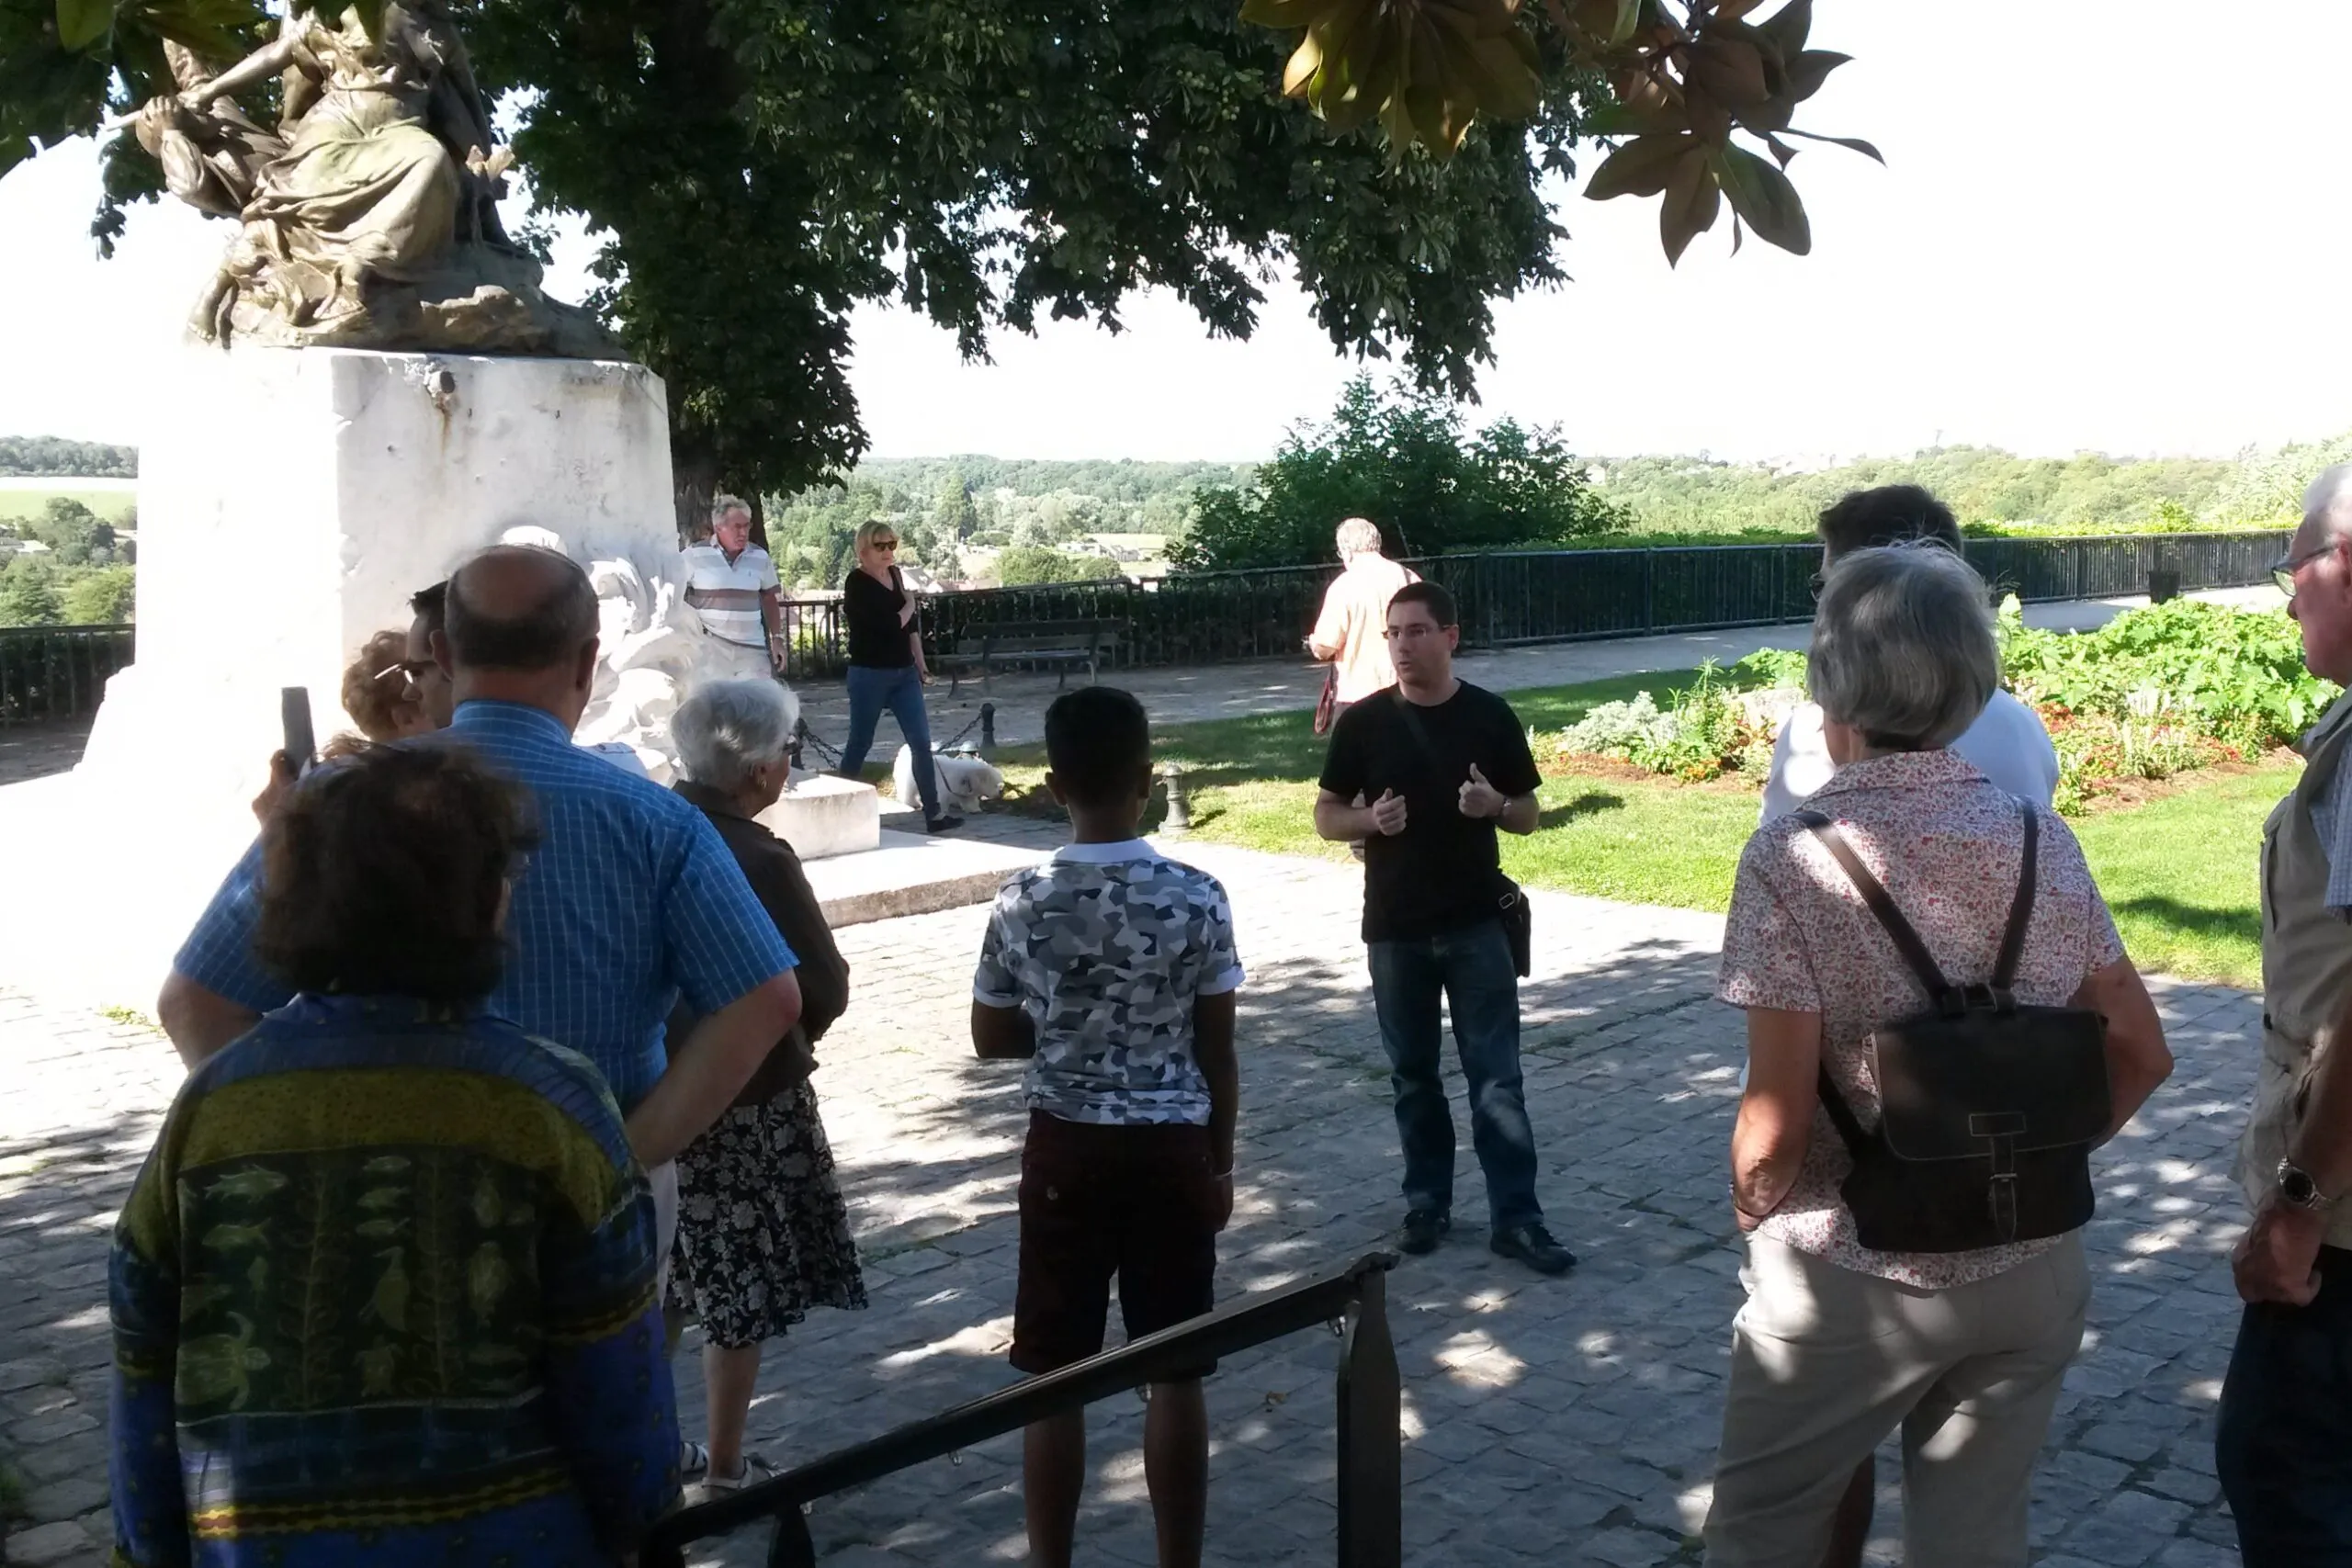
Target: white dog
[964, 780]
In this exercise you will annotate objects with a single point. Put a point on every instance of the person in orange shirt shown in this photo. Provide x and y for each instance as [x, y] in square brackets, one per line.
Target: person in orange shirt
[1351, 631]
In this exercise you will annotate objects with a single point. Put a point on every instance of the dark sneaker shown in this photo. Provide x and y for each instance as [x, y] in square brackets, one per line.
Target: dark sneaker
[1424, 1228]
[1533, 1246]
[945, 824]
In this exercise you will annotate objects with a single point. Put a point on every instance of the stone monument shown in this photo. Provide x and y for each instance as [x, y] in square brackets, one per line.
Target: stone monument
[375, 386]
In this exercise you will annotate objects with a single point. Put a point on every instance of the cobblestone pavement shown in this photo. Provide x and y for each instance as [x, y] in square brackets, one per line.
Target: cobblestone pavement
[1547, 1422]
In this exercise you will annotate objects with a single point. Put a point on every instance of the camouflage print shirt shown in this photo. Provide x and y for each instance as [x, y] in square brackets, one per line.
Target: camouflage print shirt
[1106, 947]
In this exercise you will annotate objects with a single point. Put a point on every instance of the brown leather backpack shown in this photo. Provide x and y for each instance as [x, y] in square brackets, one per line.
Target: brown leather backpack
[1989, 1109]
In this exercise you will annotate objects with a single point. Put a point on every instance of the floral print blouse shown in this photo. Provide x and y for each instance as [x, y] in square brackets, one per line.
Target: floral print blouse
[1947, 844]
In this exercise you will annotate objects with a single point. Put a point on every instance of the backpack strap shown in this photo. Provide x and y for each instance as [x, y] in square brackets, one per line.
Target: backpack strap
[2005, 968]
[1906, 940]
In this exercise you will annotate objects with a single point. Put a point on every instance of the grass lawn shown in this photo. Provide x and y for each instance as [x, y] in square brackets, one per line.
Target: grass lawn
[2180, 870]
[23, 498]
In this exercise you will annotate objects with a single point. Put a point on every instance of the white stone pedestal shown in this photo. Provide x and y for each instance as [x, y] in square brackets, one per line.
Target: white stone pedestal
[822, 816]
[295, 497]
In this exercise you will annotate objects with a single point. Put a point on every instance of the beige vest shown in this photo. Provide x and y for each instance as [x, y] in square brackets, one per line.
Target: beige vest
[2306, 964]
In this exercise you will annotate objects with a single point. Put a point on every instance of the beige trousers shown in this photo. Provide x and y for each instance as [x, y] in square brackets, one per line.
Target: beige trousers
[1826, 1362]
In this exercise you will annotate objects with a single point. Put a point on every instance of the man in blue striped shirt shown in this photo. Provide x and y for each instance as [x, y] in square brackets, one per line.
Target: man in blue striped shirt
[630, 901]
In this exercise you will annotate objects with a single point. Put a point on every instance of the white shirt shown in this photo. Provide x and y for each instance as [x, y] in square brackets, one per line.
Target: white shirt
[727, 594]
[1354, 624]
[2007, 744]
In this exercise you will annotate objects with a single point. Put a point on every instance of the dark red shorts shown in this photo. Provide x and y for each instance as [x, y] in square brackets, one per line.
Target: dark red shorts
[1137, 1202]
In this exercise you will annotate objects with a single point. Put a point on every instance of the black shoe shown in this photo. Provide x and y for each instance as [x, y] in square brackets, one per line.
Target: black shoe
[1533, 1246]
[1424, 1228]
[944, 824]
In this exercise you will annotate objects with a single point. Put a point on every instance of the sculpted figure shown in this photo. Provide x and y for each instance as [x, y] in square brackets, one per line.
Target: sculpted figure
[368, 217]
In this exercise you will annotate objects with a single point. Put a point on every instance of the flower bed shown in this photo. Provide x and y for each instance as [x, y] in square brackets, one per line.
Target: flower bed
[2155, 693]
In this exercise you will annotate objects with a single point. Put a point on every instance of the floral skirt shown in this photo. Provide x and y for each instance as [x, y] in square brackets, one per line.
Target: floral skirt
[763, 1233]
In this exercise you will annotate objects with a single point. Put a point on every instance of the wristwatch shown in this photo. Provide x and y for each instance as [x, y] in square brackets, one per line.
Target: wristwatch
[2298, 1191]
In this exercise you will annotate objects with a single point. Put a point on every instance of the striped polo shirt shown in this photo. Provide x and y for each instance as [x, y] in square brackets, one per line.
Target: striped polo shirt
[727, 593]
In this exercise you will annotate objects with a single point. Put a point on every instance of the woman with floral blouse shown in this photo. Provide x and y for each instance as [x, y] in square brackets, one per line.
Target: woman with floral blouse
[1840, 1345]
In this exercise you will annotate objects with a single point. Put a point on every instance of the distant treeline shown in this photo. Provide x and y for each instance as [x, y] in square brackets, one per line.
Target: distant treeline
[53, 456]
[2088, 492]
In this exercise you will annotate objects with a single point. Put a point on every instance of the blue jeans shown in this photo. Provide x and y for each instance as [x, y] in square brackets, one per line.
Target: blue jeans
[900, 691]
[2284, 1446]
[1471, 970]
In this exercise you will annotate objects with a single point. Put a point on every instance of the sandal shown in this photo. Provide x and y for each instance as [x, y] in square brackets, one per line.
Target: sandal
[693, 1464]
[755, 1470]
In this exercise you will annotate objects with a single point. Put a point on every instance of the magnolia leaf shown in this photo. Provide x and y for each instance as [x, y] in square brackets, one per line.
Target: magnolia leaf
[1854, 142]
[1780, 149]
[1809, 70]
[1692, 201]
[1788, 27]
[1729, 69]
[1762, 195]
[1628, 18]
[1731, 10]
[1304, 61]
[1738, 233]
[82, 24]
[1644, 167]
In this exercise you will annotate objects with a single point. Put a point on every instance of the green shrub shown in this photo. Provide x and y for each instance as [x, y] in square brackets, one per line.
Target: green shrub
[2155, 693]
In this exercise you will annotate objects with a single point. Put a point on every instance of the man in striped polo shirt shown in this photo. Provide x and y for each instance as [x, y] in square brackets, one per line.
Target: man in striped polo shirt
[730, 582]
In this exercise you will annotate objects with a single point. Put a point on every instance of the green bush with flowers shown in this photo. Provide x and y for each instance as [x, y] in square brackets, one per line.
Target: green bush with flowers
[2155, 693]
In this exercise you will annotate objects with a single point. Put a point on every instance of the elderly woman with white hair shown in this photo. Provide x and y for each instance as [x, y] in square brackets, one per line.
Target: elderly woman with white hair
[1882, 1295]
[762, 1233]
[1351, 633]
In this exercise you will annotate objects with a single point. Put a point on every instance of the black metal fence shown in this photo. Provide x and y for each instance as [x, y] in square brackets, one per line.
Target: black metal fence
[57, 672]
[1522, 596]
[1352, 1299]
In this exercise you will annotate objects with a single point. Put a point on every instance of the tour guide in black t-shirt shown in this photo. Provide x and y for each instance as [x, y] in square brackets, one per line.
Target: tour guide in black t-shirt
[1443, 763]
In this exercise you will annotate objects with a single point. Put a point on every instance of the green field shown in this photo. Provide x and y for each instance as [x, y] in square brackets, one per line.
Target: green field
[23, 498]
[2180, 870]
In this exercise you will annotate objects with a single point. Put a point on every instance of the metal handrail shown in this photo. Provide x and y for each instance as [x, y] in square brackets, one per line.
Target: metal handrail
[1371, 1532]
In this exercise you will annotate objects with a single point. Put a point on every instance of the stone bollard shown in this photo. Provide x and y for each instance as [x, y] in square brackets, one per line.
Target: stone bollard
[1179, 813]
[987, 730]
[799, 740]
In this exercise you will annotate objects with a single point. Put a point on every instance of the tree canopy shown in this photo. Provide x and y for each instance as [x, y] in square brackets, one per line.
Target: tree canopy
[755, 169]
[1405, 460]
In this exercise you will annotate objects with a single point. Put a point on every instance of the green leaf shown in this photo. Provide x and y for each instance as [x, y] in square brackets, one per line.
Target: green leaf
[1283, 14]
[84, 23]
[1855, 142]
[1809, 70]
[1641, 167]
[1788, 27]
[1692, 201]
[1629, 16]
[1761, 195]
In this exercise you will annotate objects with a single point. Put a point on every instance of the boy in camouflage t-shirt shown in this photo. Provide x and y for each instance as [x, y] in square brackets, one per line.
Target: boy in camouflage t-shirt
[1113, 970]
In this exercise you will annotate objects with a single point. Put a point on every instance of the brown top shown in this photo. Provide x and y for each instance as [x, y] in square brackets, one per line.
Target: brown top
[783, 890]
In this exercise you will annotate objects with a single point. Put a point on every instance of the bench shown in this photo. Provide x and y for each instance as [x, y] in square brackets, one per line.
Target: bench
[1061, 644]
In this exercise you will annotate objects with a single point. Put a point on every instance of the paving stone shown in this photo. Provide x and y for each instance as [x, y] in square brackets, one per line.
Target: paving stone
[46, 1544]
[1552, 1421]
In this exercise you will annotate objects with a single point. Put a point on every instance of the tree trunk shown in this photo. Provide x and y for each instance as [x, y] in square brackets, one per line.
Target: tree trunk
[694, 482]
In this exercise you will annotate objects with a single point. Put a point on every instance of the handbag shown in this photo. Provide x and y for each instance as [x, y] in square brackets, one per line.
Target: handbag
[1511, 906]
[1327, 706]
[1988, 1108]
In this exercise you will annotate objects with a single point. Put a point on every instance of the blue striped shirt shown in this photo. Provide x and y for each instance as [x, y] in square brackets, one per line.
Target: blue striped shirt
[630, 901]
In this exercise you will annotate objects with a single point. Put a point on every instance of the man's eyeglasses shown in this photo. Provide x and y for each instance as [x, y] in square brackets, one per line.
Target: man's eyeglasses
[2283, 570]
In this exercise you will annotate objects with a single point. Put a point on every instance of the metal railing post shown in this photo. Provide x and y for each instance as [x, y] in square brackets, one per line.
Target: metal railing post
[1371, 1470]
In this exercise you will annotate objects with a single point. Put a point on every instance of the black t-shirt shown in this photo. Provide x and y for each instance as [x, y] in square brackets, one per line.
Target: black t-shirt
[1442, 872]
[876, 638]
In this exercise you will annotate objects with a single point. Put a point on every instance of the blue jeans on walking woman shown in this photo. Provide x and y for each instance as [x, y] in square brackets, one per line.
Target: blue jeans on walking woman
[870, 690]
[1471, 970]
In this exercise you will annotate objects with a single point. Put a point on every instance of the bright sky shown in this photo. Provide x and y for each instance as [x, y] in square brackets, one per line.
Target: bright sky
[2101, 228]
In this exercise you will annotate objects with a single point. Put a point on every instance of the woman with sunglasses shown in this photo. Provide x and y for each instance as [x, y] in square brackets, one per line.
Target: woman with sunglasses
[885, 666]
